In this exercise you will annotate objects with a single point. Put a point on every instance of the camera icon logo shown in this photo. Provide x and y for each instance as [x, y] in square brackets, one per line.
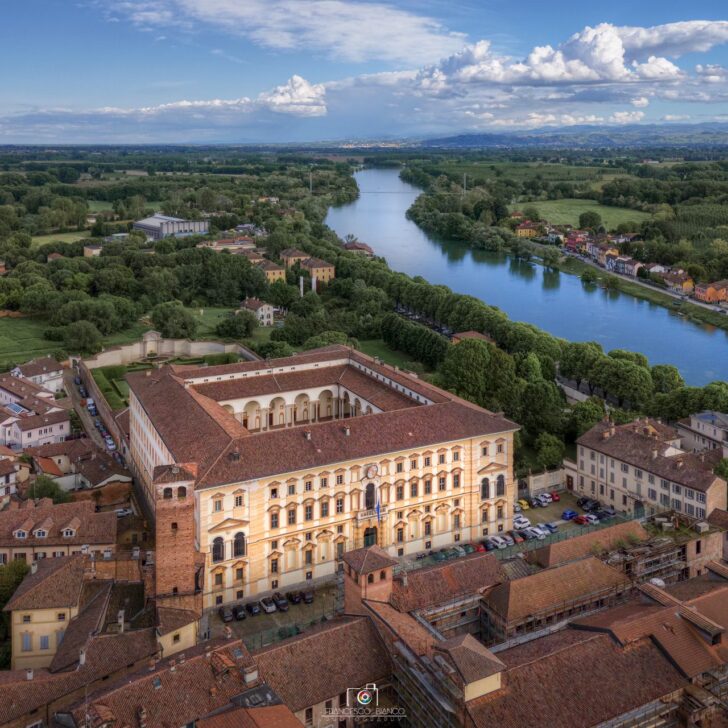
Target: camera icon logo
[366, 697]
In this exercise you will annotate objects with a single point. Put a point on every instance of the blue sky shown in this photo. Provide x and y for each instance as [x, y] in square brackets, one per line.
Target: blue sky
[298, 70]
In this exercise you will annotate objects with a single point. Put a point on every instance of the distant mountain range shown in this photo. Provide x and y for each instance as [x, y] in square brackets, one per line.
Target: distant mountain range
[634, 135]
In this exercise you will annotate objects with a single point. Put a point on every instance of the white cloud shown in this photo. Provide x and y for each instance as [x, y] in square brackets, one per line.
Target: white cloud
[676, 117]
[640, 102]
[657, 69]
[627, 117]
[350, 30]
[297, 97]
[674, 39]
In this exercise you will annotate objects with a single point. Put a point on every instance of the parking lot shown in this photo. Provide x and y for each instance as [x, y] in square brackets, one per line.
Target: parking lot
[264, 629]
[552, 513]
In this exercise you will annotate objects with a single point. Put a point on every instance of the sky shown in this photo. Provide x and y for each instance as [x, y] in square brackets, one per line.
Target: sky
[249, 71]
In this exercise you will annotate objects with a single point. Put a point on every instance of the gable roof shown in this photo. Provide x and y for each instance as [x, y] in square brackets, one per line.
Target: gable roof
[56, 583]
[472, 659]
[36, 367]
[369, 559]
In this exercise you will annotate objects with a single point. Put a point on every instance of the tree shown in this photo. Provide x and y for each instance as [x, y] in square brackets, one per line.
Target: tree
[721, 469]
[589, 276]
[633, 356]
[465, 370]
[541, 408]
[282, 295]
[666, 378]
[275, 350]
[551, 258]
[326, 338]
[531, 213]
[82, 337]
[549, 451]
[11, 574]
[173, 320]
[237, 326]
[45, 487]
[590, 220]
[584, 415]
[578, 359]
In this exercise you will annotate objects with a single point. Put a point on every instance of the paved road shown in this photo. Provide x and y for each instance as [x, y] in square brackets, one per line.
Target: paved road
[82, 412]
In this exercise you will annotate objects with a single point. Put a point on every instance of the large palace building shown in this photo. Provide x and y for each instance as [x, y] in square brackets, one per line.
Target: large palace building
[292, 462]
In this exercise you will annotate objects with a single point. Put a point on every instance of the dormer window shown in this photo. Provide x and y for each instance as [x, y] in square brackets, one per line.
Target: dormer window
[21, 534]
[40, 533]
[68, 533]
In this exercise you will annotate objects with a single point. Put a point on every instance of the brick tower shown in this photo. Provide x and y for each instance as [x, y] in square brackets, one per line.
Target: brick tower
[179, 571]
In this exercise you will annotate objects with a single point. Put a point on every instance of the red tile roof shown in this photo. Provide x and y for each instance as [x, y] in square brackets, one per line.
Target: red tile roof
[267, 716]
[56, 583]
[369, 560]
[36, 367]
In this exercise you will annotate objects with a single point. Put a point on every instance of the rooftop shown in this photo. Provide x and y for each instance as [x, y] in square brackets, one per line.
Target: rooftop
[56, 582]
[36, 367]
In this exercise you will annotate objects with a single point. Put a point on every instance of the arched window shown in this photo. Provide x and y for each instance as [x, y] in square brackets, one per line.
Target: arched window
[485, 488]
[218, 549]
[239, 544]
[182, 492]
[500, 485]
[167, 493]
[370, 497]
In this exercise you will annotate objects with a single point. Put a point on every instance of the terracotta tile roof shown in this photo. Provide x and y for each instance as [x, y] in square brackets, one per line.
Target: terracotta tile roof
[316, 263]
[34, 421]
[48, 467]
[605, 539]
[100, 467]
[293, 253]
[346, 652]
[472, 659]
[253, 304]
[404, 626]
[445, 582]
[269, 265]
[89, 621]
[267, 716]
[22, 387]
[549, 589]
[369, 559]
[645, 444]
[7, 467]
[94, 528]
[36, 367]
[718, 518]
[70, 448]
[286, 450]
[173, 694]
[572, 683]
[170, 619]
[56, 583]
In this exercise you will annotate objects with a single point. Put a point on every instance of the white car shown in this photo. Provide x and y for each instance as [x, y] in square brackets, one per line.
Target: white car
[545, 497]
[498, 542]
[536, 532]
[590, 518]
[521, 522]
[267, 605]
[542, 529]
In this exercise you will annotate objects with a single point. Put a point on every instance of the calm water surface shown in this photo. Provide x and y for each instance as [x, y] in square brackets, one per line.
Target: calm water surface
[554, 301]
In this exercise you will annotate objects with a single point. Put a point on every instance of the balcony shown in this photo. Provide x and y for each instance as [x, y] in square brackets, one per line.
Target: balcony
[371, 513]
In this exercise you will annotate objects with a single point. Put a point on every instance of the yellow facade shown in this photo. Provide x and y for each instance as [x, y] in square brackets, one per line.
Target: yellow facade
[178, 640]
[36, 634]
[274, 274]
[294, 527]
[526, 232]
[323, 274]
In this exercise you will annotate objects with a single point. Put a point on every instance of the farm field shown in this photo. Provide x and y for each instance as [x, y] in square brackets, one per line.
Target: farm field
[566, 212]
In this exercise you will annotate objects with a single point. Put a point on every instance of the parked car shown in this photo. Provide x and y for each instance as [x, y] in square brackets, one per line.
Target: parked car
[438, 555]
[77, 381]
[280, 601]
[524, 504]
[521, 522]
[581, 520]
[478, 547]
[82, 391]
[527, 534]
[468, 548]
[499, 542]
[451, 554]
[604, 515]
[536, 533]
[267, 605]
[252, 608]
[294, 597]
[568, 515]
[541, 528]
[516, 536]
[488, 545]
[239, 612]
[121, 512]
[544, 498]
[226, 614]
[460, 550]
[308, 596]
[508, 539]
[517, 508]
[551, 527]
[591, 518]
[555, 497]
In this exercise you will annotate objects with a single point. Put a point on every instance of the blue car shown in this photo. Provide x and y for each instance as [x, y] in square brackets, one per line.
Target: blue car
[568, 515]
[550, 527]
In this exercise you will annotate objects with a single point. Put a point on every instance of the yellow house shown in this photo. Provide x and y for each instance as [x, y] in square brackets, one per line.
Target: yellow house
[527, 229]
[41, 608]
[291, 256]
[319, 269]
[273, 271]
[176, 630]
[307, 457]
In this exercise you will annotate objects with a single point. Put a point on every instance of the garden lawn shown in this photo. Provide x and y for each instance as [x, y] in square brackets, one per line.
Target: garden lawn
[22, 339]
[567, 211]
[377, 347]
[71, 237]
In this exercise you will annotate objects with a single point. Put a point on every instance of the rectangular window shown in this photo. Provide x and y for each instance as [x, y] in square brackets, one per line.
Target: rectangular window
[217, 505]
[274, 566]
[274, 493]
[637, 473]
[238, 501]
[308, 557]
[26, 619]
[292, 517]
[664, 500]
[400, 492]
[308, 513]
[652, 494]
[428, 487]
[400, 467]
[239, 574]
[291, 489]
[428, 528]
[484, 450]
[400, 535]
[309, 716]
[218, 579]
[324, 509]
[428, 461]
[339, 505]
[456, 521]
[441, 458]
[499, 448]
[443, 483]
[339, 479]
[44, 642]
[413, 490]
[308, 485]
[456, 455]
[676, 489]
[624, 467]
[456, 480]
[61, 616]
[690, 494]
[274, 520]
[413, 465]
[324, 482]
[676, 504]
[27, 642]
[500, 512]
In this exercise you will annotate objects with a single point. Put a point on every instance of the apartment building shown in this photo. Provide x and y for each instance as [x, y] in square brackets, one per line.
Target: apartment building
[45, 372]
[706, 430]
[640, 467]
[295, 461]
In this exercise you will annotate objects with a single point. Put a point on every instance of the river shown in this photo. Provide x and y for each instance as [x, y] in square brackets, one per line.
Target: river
[554, 301]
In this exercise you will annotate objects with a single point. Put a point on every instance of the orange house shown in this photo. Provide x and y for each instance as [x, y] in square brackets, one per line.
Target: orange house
[320, 269]
[273, 271]
[712, 292]
[291, 256]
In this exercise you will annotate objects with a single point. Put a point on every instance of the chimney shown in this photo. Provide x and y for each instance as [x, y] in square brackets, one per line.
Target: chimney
[307, 434]
[654, 453]
[404, 579]
[347, 430]
[29, 673]
[227, 633]
[82, 657]
[34, 567]
[250, 674]
[148, 373]
[151, 664]
[182, 658]
[680, 463]
[120, 620]
[173, 665]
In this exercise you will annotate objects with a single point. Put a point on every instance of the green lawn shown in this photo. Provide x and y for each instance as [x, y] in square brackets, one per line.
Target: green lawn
[22, 339]
[99, 205]
[377, 347]
[566, 212]
[72, 237]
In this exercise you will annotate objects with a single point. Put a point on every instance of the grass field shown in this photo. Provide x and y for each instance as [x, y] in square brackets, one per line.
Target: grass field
[72, 237]
[566, 212]
[22, 339]
[520, 171]
[99, 205]
[377, 347]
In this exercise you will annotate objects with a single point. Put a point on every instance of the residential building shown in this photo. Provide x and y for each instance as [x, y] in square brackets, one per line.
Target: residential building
[273, 271]
[9, 470]
[640, 467]
[263, 311]
[355, 246]
[291, 256]
[711, 292]
[159, 226]
[45, 372]
[678, 281]
[528, 229]
[45, 530]
[319, 269]
[92, 251]
[706, 430]
[655, 268]
[295, 461]
[234, 245]
[252, 255]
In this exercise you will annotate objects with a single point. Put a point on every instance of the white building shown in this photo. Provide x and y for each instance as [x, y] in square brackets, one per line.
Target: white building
[705, 431]
[45, 372]
[159, 226]
[263, 311]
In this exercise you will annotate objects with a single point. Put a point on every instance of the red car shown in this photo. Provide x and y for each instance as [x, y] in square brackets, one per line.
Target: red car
[516, 536]
[555, 497]
[581, 520]
[478, 546]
